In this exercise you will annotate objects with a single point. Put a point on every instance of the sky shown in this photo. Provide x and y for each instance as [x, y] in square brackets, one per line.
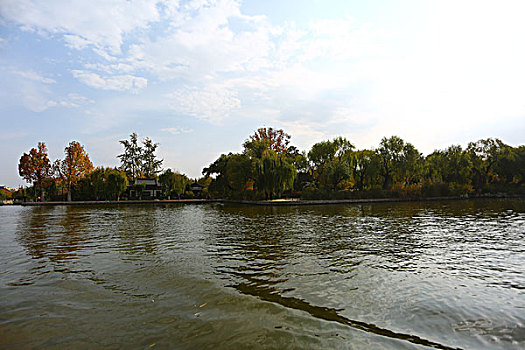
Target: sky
[199, 77]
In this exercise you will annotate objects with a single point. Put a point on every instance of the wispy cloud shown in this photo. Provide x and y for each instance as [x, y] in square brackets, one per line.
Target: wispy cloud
[177, 131]
[31, 75]
[117, 82]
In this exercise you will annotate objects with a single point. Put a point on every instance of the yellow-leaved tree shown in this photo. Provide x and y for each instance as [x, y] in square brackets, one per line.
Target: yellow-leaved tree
[75, 166]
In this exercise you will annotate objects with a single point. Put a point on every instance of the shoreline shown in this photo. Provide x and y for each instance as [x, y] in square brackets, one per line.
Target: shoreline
[279, 202]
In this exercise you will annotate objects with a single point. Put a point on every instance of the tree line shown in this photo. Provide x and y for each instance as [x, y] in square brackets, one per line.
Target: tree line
[75, 177]
[269, 167]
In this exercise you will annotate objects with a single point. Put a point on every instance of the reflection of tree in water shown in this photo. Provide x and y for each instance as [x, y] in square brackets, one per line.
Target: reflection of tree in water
[53, 235]
[136, 227]
[252, 243]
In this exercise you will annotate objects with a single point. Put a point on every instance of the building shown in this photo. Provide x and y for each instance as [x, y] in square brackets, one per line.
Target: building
[196, 188]
[151, 189]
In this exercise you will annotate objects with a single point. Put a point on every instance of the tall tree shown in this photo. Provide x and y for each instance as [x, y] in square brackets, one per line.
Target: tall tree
[131, 159]
[138, 161]
[390, 153]
[35, 166]
[75, 166]
[150, 164]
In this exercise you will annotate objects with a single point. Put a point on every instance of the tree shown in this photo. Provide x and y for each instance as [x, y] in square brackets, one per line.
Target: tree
[35, 166]
[452, 165]
[366, 169]
[139, 188]
[332, 162]
[273, 174]
[167, 180]
[75, 166]
[325, 151]
[410, 168]
[276, 140]
[390, 153]
[131, 159]
[181, 181]
[98, 180]
[484, 155]
[335, 172]
[150, 164]
[117, 183]
[233, 174]
[139, 161]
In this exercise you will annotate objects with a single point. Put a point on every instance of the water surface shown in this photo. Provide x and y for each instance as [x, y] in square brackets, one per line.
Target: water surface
[384, 276]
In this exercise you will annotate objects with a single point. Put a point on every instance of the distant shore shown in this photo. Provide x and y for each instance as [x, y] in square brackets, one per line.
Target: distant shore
[277, 202]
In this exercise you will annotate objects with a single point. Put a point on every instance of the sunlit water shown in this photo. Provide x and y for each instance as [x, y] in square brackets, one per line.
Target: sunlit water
[392, 276]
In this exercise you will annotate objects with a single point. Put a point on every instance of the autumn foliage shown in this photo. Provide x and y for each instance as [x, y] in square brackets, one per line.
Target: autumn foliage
[75, 165]
[35, 166]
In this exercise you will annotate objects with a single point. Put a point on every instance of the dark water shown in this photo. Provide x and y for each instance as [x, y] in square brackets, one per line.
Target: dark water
[381, 276]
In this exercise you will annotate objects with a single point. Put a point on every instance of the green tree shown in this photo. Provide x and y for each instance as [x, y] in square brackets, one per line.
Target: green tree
[390, 153]
[117, 182]
[332, 162]
[233, 172]
[150, 164]
[335, 172]
[219, 185]
[181, 181]
[98, 179]
[484, 155]
[167, 179]
[139, 189]
[131, 159]
[411, 166]
[273, 174]
[366, 169]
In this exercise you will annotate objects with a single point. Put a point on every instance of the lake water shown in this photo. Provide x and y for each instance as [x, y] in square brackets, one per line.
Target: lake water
[372, 276]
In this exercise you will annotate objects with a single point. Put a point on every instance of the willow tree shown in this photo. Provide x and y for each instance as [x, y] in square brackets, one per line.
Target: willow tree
[75, 166]
[273, 174]
[35, 167]
[366, 169]
[117, 183]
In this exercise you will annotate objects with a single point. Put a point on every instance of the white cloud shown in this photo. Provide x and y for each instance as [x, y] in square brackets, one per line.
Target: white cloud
[31, 75]
[75, 101]
[35, 98]
[177, 131]
[213, 103]
[210, 61]
[117, 82]
[101, 23]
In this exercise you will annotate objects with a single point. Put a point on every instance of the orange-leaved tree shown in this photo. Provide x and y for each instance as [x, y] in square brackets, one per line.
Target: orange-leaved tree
[75, 166]
[35, 166]
[276, 140]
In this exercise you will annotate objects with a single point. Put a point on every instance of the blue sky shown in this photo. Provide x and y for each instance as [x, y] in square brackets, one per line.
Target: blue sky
[200, 76]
